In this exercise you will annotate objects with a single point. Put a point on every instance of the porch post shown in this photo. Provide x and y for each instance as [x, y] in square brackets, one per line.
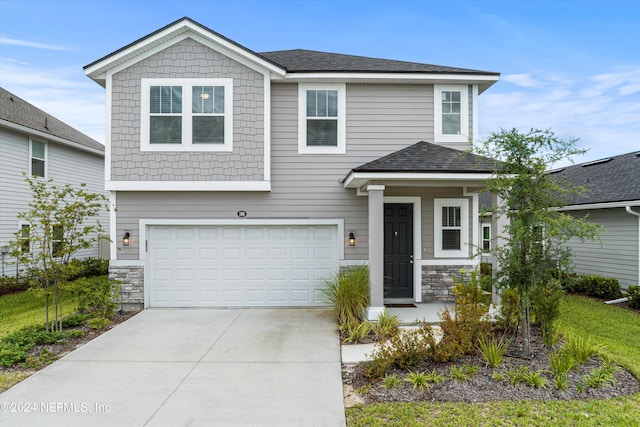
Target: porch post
[376, 251]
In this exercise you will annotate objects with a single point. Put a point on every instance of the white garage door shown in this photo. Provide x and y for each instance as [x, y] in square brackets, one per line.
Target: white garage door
[219, 266]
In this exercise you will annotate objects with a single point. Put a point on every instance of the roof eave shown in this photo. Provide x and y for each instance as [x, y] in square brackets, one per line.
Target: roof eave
[355, 179]
[50, 137]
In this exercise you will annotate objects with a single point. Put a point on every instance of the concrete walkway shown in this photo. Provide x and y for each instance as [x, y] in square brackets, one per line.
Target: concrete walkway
[200, 367]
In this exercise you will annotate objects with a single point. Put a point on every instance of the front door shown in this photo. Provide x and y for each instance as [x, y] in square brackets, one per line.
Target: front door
[398, 250]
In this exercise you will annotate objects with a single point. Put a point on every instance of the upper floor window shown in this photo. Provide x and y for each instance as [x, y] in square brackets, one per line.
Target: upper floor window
[321, 124]
[451, 227]
[451, 118]
[187, 115]
[38, 156]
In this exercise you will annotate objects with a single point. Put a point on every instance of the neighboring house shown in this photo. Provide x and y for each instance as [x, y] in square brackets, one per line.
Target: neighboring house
[613, 201]
[34, 143]
[246, 179]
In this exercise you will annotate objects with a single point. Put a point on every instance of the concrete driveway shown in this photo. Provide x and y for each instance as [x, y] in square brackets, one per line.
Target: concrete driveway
[192, 367]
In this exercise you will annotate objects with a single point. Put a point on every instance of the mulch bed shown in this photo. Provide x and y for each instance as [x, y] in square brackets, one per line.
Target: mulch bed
[65, 347]
[481, 387]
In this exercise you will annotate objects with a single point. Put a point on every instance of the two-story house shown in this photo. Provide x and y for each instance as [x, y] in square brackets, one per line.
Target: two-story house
[34, 143]
[246, 179]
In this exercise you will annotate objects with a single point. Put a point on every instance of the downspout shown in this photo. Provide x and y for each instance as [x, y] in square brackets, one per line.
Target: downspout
[632, 212]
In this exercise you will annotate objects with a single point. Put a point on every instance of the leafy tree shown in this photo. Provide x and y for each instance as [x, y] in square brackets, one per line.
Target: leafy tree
[62, 221]
[536, 235]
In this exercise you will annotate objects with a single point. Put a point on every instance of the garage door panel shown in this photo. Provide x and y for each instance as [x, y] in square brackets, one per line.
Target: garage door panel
[239, 265]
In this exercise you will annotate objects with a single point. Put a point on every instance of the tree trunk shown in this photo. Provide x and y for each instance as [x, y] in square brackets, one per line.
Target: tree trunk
[526, 328]
[46, 315]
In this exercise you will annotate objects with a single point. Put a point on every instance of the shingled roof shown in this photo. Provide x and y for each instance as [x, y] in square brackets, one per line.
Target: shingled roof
[16, 110]
[301, 60]
[428, 157]
[613, 179]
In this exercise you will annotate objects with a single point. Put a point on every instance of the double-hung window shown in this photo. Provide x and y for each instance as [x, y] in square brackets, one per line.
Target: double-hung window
[38, 151]
[451, 118]
[25, 238]
[451, 228]
[187, 115]
[321, 124]
[486, 237]
[57, 241]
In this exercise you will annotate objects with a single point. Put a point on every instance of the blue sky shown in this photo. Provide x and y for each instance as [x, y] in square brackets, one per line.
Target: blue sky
[572, 66]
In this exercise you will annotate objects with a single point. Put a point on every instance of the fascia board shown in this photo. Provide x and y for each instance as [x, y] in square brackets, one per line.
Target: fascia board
[49, 137]
[171, 36]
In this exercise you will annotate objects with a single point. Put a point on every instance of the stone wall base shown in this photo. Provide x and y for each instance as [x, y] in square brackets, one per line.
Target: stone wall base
[437, 281]
[131, 278]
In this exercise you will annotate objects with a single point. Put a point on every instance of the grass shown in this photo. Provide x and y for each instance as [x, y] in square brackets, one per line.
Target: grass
[25, 309]
[9, 379]
[617, 329]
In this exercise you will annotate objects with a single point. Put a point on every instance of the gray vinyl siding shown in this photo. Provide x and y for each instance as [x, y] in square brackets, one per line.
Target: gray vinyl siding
[380, 119]
[188, 59]
[65, 165]
[618, 254]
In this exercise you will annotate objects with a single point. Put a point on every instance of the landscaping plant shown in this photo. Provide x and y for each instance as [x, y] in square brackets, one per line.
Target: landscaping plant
[419, 380]
[546, 309]
[385, 326]
[536, 233]
[348, 293]
[62, 221]
[633, 293]
[493, 350]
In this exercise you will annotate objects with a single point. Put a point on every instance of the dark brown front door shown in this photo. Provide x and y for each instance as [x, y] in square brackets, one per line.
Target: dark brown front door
[398, 250]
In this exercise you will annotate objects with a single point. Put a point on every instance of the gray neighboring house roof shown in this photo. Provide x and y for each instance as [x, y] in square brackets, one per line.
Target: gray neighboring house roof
[428, 157]
[609, 180]
[301, 60]
[17, 111]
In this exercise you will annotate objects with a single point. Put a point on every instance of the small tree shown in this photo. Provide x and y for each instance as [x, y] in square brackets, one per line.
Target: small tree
[62, 221]
[537, 233]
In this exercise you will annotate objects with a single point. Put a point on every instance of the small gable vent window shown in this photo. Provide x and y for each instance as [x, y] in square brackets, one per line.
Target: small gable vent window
[187, 115]
[321, 119]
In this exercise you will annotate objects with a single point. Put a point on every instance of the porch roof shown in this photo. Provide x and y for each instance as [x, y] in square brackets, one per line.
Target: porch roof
[426, 163]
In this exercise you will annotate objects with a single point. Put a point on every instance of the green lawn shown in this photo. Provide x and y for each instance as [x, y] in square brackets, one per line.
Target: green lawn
[612, 326]
[25, 309]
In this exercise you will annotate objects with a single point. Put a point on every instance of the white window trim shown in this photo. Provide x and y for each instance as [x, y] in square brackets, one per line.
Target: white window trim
[186, 114]
[341, 147]
[438, 252]
[482, 239]
[464, 113]
[46, 157]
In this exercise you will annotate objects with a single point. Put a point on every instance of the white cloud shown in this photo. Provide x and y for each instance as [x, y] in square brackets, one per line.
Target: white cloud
[601, 110]
[65, 93]
[523, 80]
[25, 43]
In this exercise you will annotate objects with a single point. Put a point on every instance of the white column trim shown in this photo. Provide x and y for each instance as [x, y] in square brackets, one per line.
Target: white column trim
[113, 245]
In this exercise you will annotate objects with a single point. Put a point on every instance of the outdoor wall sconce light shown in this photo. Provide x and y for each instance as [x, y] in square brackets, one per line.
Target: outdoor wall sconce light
[126, 240]
[352, 238]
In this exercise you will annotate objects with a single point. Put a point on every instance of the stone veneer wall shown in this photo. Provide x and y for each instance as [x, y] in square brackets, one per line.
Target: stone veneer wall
[437, 281]
[131, 278]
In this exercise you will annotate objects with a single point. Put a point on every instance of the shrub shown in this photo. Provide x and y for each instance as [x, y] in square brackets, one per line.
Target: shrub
[12, 285]
[598, 286]
[510, 314]
[435, 377]
[419, 380]
[390, 381]
[546, 309]
[348, 293]
[493, 350]
[385, 326]
[633, 293]
[601, 376]
[582, 349]
[561, 362]
[88, 267]
[96, 295]
[462, 332]
[98, 322]
[405, 350]
[356, 332]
